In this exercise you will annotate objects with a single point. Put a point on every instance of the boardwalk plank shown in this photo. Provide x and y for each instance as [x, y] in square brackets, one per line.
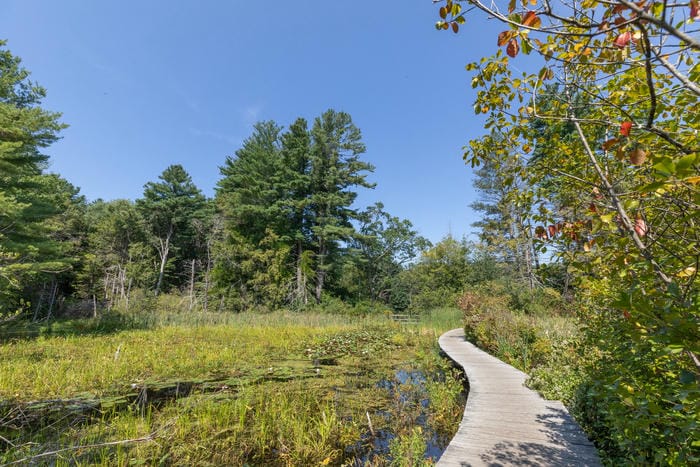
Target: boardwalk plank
[504, 422]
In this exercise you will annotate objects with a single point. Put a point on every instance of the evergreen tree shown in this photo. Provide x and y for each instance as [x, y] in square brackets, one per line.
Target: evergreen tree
[26, 245]
[253, 199]
[296, 166]
[506, 205]
[248, 193]
[292, 192]
[336, 171]
[169, 208]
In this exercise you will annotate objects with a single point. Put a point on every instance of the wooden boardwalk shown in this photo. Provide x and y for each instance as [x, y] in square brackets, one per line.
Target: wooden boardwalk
[506, 423]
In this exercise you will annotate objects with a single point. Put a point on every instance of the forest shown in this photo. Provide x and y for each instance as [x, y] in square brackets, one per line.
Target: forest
[584, 274]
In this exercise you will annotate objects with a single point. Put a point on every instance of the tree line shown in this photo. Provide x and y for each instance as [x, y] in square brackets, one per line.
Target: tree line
[282, 229]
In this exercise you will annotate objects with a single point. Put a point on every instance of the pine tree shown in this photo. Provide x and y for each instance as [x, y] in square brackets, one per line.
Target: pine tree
[336, 171]
[296, 167]
[291, 192]
[506, 204]
[26, 244]
[169, 208]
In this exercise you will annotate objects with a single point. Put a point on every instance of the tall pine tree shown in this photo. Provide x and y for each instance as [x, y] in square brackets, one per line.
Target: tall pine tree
[286, 199]
[336, 172]
[27, 248]
[169, 208]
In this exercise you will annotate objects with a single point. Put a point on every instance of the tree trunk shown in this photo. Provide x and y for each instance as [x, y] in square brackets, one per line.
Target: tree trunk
[192, 284]
[320, 270]
[54, 290]
[128, 294]
[300, 294]
[164, 250]
[38, 303]
[207, 272]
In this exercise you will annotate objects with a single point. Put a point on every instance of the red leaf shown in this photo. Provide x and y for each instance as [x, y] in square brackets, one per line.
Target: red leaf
[455, 27]
[552, 230]
[511, 6]
[503, 38]
[625, 128]
[513, 48]
[619, 9]
[623, 39]
[532, 20]
[694, 9]
[626, 314]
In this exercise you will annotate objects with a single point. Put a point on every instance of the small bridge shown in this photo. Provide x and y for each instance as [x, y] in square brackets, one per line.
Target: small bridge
[506, 423]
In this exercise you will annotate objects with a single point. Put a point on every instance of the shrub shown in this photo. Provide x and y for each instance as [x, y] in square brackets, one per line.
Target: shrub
[408, 450]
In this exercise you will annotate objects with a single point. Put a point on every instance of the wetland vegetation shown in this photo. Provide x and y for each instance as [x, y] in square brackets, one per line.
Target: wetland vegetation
[260, 389]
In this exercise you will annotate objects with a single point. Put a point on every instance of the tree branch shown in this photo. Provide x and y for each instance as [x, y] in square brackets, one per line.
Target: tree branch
[681, 77]
[626, 221]
[661, 23]
[649, 75]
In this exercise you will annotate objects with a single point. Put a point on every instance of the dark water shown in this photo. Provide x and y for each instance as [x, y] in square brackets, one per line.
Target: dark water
[411, 408]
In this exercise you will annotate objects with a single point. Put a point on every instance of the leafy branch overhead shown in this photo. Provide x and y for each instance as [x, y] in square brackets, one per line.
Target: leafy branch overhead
[597, 144]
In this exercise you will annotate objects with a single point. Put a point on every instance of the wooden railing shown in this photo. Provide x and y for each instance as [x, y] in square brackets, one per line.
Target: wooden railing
[405, 318]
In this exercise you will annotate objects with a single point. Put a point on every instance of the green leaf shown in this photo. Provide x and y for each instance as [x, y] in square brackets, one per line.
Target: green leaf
[665, 167]
[687, 377]
[685, 162]
[606, 218]
[652, 187]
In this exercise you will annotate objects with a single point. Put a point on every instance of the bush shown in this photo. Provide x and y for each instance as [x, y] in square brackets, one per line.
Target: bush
[524, 328]
[408, 450]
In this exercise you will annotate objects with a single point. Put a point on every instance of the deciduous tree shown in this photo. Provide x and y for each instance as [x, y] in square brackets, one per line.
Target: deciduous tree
[626, 76]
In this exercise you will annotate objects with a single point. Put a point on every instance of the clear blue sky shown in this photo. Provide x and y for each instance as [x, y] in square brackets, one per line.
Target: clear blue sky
[145, 84]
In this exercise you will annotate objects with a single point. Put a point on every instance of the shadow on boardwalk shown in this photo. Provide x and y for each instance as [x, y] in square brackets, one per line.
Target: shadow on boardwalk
[506, 423]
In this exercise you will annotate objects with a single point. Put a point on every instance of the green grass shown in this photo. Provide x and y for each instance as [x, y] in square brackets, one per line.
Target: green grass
[265, 389]
[442, 319]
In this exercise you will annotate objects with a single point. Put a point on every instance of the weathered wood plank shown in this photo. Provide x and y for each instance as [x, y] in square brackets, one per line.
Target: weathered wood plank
[504, 422]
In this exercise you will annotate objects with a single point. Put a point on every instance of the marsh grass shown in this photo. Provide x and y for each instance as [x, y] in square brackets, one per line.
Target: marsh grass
[257, 391]
[442, 319]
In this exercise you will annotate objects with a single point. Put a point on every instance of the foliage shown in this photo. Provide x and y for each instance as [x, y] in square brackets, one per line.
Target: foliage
[608, 131]
[169, 208]
[384, 246]
[289, 195]
[505, 225]
[115, 253]
[442, 273]
[539, 336]
[408, 450]
[29, 249]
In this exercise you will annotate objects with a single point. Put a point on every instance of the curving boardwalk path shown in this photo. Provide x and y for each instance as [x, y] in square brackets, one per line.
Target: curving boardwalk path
[506, 423]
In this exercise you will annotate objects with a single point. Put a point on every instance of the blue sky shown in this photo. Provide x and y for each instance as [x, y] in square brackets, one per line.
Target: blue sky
[146, 84]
